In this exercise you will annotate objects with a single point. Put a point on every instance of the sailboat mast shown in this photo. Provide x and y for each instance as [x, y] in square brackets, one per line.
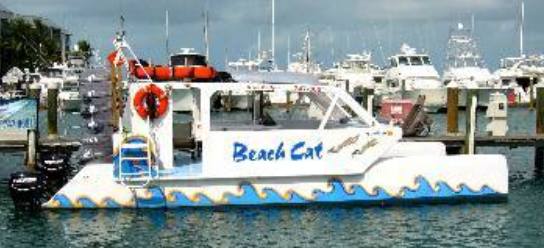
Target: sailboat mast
[521, 23]
[167, 34]
[288, 50]
[259, 44]
[206, 40]
[273, 31]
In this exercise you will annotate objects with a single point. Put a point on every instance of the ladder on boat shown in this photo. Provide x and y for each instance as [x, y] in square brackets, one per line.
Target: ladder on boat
[140, 176]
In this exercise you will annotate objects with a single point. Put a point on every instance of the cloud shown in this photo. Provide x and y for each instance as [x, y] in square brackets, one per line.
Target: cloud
[338, 27]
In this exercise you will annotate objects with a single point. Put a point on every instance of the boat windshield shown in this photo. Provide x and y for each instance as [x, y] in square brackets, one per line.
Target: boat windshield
[281, 109]
[426, 60]
[416, 60]
[403, 60]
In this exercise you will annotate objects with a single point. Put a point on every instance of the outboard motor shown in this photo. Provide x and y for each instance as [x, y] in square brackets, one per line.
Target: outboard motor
[28, 190]
[54, 165]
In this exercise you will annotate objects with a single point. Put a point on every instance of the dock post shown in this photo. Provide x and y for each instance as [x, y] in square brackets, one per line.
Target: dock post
[531, 93]
[35, 91]
[539, 147]
[31, 150]
[115, 94]
[368, 99]
[470, 130]
[52, 108]
[453, 109]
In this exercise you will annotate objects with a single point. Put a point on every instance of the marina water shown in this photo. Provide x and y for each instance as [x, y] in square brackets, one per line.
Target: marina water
[516, 223]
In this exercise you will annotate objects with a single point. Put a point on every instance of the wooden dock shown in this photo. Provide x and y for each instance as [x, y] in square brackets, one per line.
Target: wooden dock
[18, 141]
[511, 141]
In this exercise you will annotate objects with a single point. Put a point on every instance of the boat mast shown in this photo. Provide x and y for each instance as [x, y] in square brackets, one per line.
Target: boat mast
[307, 48]
[206, 40]
[166, 26]
[273, 33]
[288, 49]
[259, 44]
[522, 20]
[472, 26]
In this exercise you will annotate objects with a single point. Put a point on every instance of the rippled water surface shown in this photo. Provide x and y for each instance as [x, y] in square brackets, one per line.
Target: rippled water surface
[516, 223]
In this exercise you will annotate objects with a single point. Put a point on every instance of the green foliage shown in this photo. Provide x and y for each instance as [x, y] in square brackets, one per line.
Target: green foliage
[29, 44]
[85, 50]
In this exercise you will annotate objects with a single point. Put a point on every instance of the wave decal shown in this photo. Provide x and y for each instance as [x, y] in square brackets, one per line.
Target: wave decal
[61, 201]
[178, 199]
[248, 195]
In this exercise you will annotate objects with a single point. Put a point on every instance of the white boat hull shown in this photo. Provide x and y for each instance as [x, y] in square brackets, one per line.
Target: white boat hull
[389, 181]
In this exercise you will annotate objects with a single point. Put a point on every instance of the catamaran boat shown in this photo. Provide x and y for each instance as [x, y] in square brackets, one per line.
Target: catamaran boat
[325, 149]
[412, 74]
[466, 68]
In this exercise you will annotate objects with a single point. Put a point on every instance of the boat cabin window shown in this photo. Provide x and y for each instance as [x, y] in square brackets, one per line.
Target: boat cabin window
[185, 118]
[394, 62]
[280, 110]
[188, 60]
[426, 60]
[403, 61]
[415, 60]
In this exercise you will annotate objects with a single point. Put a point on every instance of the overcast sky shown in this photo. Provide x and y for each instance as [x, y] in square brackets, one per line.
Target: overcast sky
[337, 27]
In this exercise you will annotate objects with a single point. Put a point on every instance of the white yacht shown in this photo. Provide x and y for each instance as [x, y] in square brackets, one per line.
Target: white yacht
[412, 74]
[356, 71]
[466, 68]
[514, 75]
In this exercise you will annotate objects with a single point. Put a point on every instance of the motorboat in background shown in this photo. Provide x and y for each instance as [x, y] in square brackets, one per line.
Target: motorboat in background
[69, 96]
[355, 73]
[465, 68]
[412, 74]
[512, 75]
[303, 60]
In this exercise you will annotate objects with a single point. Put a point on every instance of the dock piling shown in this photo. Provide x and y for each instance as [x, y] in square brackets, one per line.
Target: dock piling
[52, 108]
[539, 146]
[35, 91]
[531, 93]
[472, 102]
[31, 150]
[368, 99]
[452, 109]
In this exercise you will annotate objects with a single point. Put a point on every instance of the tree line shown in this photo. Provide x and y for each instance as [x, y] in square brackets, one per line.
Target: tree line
[32, 44]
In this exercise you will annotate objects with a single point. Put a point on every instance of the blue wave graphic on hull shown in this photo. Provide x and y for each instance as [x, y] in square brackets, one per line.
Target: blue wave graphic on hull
[250, 196]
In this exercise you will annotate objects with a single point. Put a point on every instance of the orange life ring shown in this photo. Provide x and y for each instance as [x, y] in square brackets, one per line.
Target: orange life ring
[141, 98]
